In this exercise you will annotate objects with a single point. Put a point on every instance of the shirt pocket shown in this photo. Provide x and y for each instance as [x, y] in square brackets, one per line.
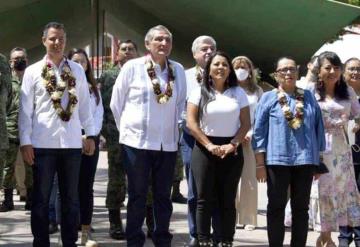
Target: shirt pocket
[137, 93]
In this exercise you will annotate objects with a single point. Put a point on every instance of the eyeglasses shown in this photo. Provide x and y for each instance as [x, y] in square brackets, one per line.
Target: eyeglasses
[353, 69]
[286, 69]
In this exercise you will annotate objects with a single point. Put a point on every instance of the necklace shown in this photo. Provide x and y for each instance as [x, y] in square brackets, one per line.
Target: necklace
[293, 121]
[161, 97]
[56, 89]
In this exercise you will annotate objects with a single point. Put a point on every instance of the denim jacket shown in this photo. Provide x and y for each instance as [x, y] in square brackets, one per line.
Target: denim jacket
[282, 144]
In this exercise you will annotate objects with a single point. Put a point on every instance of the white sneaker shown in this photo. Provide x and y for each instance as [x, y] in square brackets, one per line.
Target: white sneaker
[86, 238]
[249, 228]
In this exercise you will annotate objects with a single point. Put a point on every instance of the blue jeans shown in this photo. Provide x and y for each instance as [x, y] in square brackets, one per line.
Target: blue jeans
[139, 164]
[186, 146]
[54, 203]
[66, 163]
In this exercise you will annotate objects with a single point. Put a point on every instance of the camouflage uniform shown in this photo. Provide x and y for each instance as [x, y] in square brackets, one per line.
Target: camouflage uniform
[5, 79]
[116, 189]
[13, 134]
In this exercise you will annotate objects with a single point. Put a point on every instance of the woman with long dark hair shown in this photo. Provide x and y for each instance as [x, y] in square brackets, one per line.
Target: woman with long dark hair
[218, 118]
[339, 198]
[88, 163]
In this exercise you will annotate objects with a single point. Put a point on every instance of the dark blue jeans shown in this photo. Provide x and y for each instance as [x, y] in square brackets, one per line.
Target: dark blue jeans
[66, 163]
[348, 233]
[139, 164]
[54, 203]
[86, 184]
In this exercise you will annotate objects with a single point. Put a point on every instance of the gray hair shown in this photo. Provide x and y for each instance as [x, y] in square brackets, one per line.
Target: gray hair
[150, 34]
[200, 40]
[18, 49]
[55, 25]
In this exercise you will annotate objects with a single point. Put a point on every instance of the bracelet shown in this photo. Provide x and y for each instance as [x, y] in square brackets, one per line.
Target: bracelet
[257, 167]
[235, 143]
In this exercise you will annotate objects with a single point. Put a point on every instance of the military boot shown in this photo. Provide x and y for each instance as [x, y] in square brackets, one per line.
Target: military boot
[176, 196]
[8, 203]
[149, 219]
[116, 230]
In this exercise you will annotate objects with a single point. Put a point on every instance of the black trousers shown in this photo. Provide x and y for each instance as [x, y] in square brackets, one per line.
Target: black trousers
[279, 178]
[86, 183]
[216, 182]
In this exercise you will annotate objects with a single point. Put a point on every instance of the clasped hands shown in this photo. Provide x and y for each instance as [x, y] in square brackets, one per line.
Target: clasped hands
[220, 150]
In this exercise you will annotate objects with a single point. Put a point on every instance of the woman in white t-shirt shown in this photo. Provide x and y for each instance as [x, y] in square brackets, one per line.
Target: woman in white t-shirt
[218, 117]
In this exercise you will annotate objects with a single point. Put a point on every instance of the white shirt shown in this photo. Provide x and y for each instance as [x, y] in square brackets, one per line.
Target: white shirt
[97, 111]
[303, 83]
[143, 123]
[39, 124]
[191, 82]
[222, 115]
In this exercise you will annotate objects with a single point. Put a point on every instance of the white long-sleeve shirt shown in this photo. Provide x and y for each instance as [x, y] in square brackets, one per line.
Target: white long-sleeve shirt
[143, 123]
[39, 124]
[97, 111]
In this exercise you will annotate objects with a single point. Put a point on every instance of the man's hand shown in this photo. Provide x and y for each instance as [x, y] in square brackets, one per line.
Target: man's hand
[27, 153]
[89, 146]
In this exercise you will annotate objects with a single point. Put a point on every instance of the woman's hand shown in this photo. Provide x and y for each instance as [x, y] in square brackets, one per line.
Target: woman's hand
[227, 149]
[261, 173]
[214, 149]
[247, 139]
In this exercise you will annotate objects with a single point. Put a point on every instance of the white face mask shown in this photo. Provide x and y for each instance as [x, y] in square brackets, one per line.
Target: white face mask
[242, 74]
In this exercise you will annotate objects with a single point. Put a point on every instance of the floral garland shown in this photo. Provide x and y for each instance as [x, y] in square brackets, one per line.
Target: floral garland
[293, 121]
[161, 97]
[56, 89]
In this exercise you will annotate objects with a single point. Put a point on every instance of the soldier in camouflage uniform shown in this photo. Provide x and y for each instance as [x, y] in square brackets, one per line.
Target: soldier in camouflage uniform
[5, 79]
[18, 62]
[116, 188]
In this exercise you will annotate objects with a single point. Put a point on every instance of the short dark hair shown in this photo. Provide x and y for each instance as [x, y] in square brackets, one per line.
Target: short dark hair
[55, 25]
[128, 41]
[18, 49]
[282, 58]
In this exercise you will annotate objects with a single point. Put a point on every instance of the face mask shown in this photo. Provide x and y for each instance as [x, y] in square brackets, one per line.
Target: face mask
[20, 65]
[242, 74]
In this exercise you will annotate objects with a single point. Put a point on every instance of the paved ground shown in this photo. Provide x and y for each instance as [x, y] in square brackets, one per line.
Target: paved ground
[15, 226]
